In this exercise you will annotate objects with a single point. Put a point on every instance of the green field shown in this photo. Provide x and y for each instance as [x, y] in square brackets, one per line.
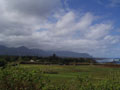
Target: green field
[71, 72]
[56, 77]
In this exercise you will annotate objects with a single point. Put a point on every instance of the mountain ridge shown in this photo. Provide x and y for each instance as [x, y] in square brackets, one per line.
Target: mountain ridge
[24, 51]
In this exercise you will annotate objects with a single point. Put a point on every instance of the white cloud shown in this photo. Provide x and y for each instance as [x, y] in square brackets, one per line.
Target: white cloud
[98, 31]
[38, 25]
[32, 7]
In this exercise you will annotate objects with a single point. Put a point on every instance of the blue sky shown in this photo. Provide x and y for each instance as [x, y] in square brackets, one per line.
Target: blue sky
[107, 10]
[85, 26]
[97, 7]
[101, 8]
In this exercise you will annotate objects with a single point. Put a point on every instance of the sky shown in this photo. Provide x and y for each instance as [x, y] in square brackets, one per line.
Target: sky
[85, 26]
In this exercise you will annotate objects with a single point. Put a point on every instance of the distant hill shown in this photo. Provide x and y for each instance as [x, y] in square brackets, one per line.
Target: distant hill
[71, 54]
[23, 51]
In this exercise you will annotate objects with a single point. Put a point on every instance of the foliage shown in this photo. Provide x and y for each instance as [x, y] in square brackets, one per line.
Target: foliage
[2, 63]
[15, 78]
[47, 60]
[40, 77]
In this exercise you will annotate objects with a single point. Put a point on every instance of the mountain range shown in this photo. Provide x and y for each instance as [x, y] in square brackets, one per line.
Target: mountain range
[24, 51]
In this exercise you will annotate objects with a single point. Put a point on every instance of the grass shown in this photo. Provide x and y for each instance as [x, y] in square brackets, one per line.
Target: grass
[56, 77]
[70, 72]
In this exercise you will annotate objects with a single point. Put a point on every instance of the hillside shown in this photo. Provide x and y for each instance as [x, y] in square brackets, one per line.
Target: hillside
[24, 51]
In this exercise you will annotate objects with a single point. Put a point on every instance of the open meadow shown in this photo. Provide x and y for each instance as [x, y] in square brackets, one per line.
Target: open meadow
[59, 77]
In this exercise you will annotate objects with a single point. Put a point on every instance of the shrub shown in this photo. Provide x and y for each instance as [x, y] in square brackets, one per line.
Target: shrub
[2, 63]
[14, 78]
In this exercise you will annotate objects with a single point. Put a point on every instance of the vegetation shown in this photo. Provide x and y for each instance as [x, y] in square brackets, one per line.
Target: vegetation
[49, 77]
[45, 60]
[63, 74]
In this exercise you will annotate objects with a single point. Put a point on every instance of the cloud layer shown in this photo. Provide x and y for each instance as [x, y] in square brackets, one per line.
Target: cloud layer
[44, 24]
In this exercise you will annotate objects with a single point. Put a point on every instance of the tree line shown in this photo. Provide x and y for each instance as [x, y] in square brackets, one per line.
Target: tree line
[54, 59]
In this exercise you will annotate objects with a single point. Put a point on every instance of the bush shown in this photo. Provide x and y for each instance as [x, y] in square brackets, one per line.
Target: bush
[14, 78]
[2, 63]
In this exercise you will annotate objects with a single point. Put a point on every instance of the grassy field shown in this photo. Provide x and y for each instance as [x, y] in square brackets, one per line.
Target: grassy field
[66, 74]
[55, 77]
[70, 72]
